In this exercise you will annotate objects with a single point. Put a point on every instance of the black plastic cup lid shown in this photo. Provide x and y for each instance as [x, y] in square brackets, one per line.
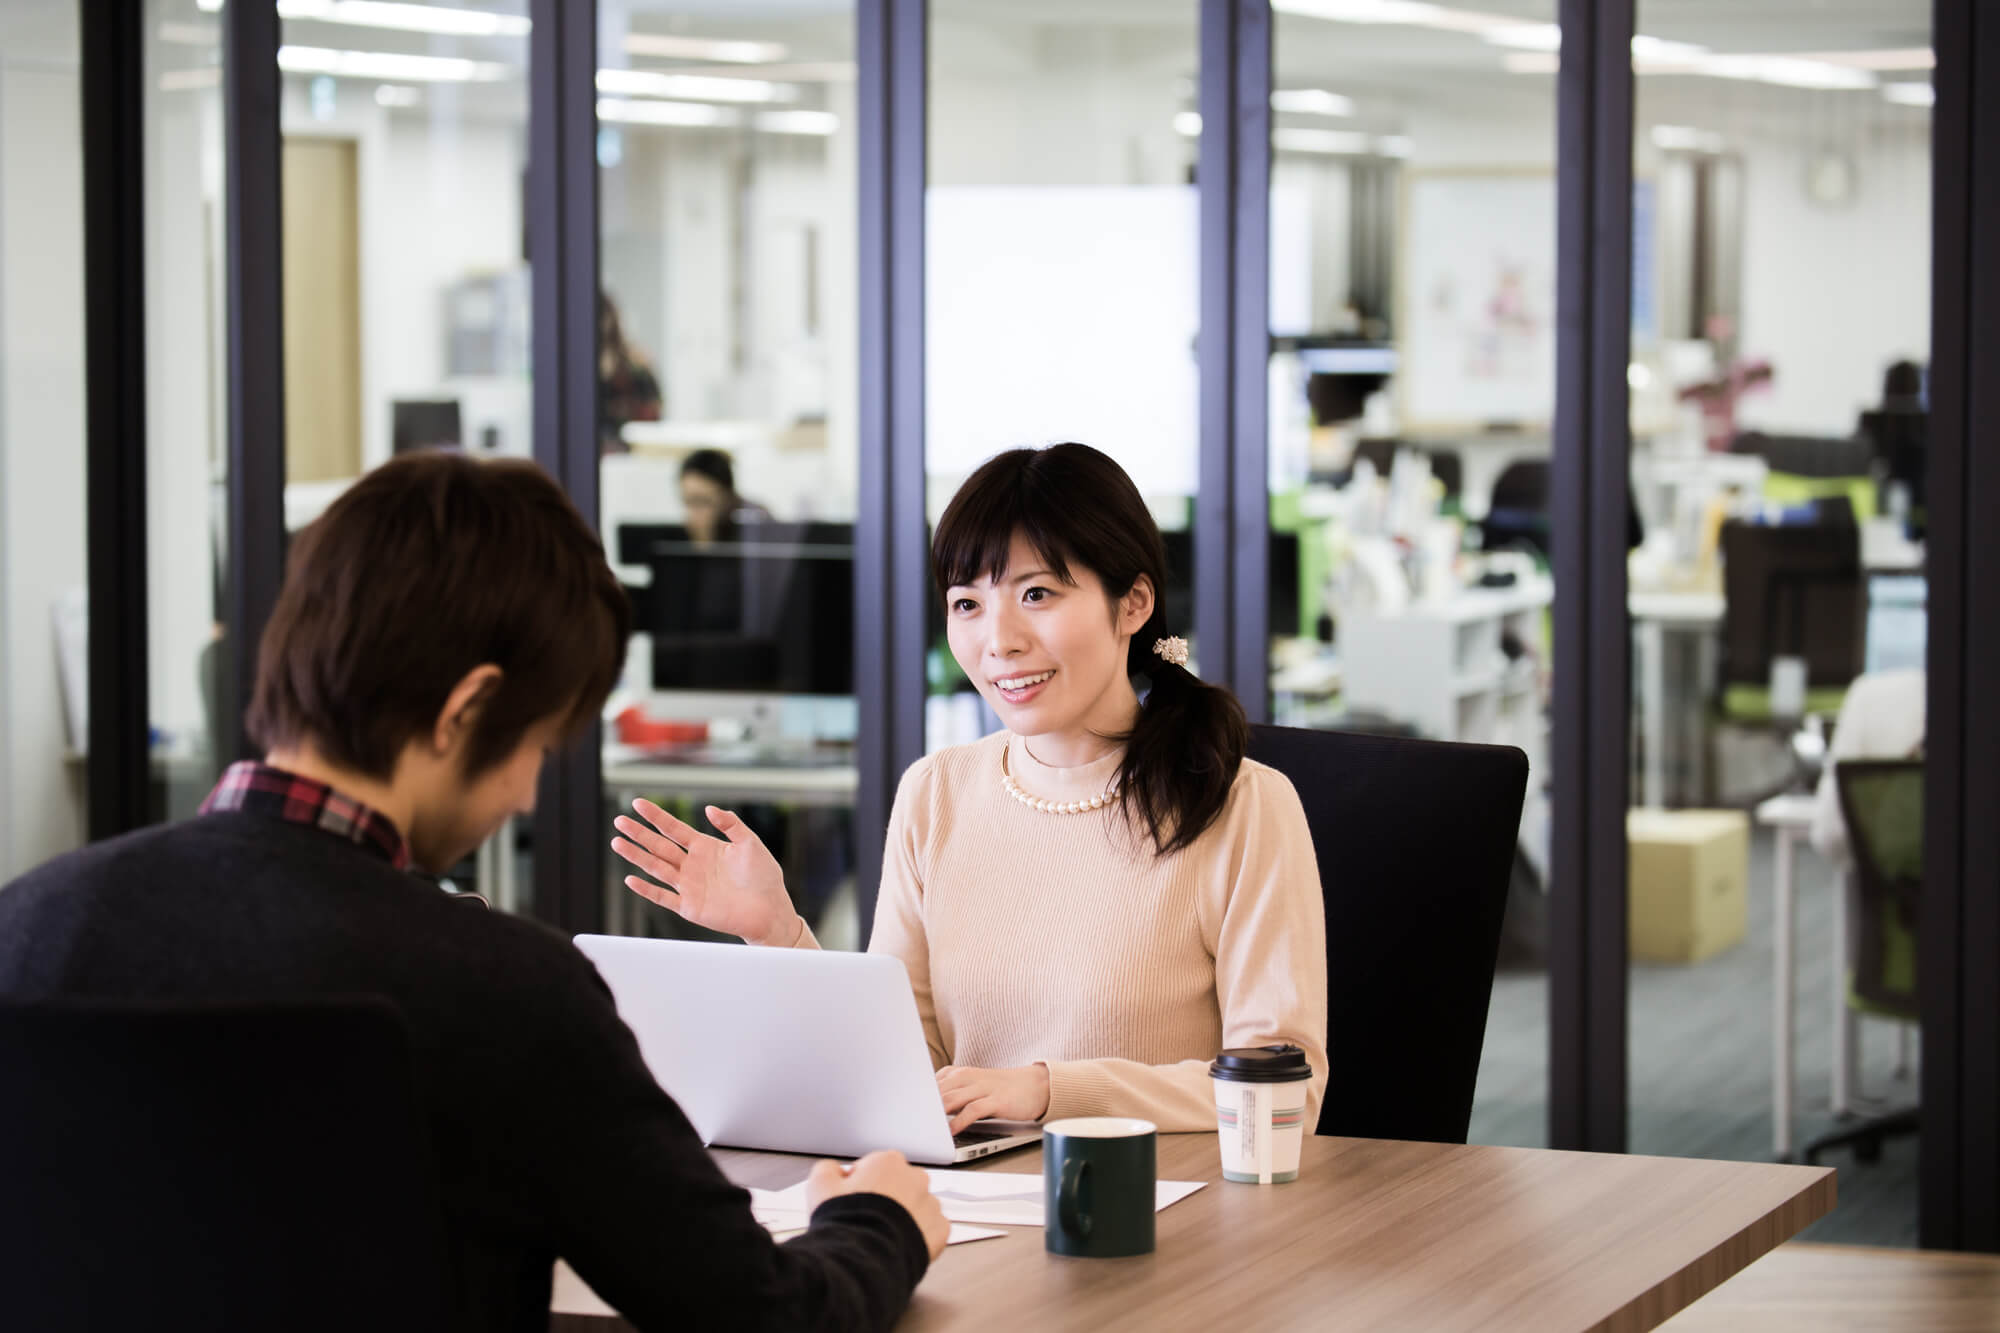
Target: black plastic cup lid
[1261, 1064]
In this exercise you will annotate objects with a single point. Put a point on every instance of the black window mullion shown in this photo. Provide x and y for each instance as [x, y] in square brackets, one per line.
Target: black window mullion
[114, 229]
[254, 206]
[1588, 480]
[562, 217]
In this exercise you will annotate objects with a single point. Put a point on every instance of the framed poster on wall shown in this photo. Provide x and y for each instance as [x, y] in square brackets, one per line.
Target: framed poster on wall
[1477, 317]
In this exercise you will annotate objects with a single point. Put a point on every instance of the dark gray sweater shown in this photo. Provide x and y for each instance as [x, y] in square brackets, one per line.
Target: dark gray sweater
[552, 1137]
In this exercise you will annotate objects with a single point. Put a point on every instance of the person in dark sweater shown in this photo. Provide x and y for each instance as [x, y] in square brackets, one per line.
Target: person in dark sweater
[444, 625]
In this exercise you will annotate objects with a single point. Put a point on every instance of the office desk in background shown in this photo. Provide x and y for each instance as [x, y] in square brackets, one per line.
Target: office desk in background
[1373, 1234]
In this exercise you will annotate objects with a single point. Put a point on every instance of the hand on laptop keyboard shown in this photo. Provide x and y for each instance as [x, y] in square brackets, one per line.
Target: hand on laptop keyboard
[993, 1094]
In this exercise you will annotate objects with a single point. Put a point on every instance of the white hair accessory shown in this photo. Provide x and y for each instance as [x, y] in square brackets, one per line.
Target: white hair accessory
[1173, 648]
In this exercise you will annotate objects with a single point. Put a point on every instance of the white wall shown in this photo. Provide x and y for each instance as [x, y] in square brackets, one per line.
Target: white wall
[42, 552]
[1832, 296]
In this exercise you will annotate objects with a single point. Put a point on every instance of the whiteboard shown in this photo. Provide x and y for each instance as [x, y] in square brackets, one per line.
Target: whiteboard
[1478, 322]
[1063, 313]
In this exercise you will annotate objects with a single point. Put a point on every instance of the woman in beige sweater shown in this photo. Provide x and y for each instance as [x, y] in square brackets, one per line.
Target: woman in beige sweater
[1095, 901]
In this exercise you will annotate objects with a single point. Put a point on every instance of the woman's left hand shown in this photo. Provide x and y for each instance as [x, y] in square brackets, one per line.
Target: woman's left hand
[993, 1094]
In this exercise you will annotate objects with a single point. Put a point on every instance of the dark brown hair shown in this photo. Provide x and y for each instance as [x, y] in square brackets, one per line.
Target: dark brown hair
[424, 569]
[1074, 505]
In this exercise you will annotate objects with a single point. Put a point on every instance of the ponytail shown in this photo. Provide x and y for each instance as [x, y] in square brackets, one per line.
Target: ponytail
[1184, 751]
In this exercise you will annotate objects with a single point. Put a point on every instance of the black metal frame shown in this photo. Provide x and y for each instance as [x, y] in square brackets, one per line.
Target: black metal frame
[561, 207]
[113, 36]
[1232, 510]
[1959, 1190]
[1588, 480]
[254, 205]
[891, 563]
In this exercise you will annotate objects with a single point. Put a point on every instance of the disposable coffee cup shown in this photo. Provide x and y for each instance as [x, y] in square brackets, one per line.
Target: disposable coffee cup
[1260, 1112]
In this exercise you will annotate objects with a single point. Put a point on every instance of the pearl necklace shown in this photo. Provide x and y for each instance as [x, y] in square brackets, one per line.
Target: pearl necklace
[1013, 789]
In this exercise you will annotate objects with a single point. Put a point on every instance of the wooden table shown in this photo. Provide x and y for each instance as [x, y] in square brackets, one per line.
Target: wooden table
[1377, 1234]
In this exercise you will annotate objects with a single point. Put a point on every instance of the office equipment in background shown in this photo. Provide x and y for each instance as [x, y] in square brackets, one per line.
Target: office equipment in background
[1898, 621]
[771, 611]
[1441, 823]
[1177, 598]
[425, 423]
[1883, 804]
[283, 1177]
[1791, 591]
[822, 1052]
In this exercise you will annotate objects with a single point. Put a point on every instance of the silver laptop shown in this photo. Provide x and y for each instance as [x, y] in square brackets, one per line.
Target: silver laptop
[789, 1050]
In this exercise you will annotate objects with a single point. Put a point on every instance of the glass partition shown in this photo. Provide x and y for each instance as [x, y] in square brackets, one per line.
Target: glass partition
[1062, 265]
[405, 262]
[1412, 386]
[1781, 246]
[727, 335]
[43, 672]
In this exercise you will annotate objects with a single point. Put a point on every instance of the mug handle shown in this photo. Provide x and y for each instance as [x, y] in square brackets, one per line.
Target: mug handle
[1074, 1219]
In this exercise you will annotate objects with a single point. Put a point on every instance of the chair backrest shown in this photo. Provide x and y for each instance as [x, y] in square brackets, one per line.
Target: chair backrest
[1415, 841]
[215, 1167]
[1882, 802]
[1793, 590]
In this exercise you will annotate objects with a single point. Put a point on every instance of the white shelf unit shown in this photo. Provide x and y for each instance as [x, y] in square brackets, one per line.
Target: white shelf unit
[1439, 666]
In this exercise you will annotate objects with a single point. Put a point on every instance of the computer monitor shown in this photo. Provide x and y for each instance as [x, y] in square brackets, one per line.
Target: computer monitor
[770, 611]
[1281, 582]
[425, 423]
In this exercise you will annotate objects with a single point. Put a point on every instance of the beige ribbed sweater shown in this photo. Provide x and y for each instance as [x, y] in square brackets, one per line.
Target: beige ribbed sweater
[1062, 939]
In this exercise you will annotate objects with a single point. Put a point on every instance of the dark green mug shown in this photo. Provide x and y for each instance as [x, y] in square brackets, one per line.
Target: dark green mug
[1098, 1175]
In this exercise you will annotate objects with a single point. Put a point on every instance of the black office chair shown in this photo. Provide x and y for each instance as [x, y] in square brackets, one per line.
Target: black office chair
[1415, 841]
[215, 1167]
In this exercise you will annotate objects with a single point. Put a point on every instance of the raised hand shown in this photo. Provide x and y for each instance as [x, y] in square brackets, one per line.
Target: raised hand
[730, 884]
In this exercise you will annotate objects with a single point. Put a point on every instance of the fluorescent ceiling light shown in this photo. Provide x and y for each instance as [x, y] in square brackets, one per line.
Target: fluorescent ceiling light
[1187, 124]
[190, 34]
[1688, 138]
[703, 48]
[398, 94]
[1312, 101]
[1320, 141]
[1526, 36]
[188, 80]
[1910, 94]
[1531, 62]
[209, 6]
[1785, 71]
[406, 17]
[665, 113]
[1658, 51]
[387, 65]
[1906, 57]
[797, 122]
[1363, 11]
[691, 87]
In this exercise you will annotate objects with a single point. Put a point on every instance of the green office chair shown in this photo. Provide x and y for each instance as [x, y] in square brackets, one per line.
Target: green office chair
[1882, 802]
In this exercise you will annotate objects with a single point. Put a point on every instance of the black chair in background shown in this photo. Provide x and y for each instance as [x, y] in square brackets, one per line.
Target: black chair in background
[1791, 590]
[1517, 513]
[215, 1167]
[1415, 841]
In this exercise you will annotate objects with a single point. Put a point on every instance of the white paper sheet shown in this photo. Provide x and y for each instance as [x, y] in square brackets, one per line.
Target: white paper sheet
[783, 1214]
[995, 1198]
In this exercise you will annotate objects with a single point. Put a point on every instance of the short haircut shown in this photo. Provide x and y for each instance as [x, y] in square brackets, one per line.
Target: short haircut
[427, 567]
[713, 464]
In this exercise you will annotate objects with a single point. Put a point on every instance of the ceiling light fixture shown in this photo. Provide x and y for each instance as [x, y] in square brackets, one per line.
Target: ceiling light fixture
[1321, 141]
[397, 95]
[1687, 138]
[1187, 124]
[797, 122]
[1910, 94]
[695, 114]
[406, 17]
[1312, 101]
[387, 66]
[1363, 11]
[720, 51]
[691, 87]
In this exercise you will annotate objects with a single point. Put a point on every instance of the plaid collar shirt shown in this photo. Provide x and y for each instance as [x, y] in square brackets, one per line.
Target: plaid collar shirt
[263, 790]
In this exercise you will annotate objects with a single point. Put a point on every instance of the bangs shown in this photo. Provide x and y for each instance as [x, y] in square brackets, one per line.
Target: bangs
[976, 534]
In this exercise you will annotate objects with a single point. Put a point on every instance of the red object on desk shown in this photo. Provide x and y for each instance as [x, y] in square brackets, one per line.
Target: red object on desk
[635, 728]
